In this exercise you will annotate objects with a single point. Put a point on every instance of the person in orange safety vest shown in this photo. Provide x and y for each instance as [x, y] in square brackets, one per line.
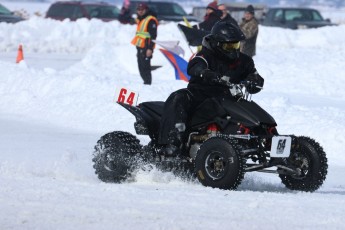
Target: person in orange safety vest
[146, 32]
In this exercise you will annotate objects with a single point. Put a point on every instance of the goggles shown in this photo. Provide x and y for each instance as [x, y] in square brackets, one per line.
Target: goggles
[228, 46]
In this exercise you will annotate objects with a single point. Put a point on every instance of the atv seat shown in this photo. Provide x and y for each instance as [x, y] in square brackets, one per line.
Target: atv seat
[155, 107]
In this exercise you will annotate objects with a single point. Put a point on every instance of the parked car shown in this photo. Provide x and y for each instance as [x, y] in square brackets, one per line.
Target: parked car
[166, 11]
[74, 10]
[236, 10]
[295, 18]
[7, 16]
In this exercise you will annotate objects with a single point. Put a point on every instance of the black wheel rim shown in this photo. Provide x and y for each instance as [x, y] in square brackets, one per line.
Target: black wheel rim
[109, 165]
[216, 165]
[302, 163]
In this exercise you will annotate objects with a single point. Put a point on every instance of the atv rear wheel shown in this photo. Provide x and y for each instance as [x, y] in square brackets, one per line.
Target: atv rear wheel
[115, 156]
[218, 164]
[308, 157]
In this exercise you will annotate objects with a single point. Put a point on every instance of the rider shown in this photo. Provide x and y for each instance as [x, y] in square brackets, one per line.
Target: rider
[220, 56]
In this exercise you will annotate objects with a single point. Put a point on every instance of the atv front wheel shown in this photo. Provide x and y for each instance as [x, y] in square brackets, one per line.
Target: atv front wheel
[218, 164]
[115, 156]
[308, 157]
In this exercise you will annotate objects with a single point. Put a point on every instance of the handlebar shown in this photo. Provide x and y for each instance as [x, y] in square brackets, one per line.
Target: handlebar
[239, 90]
[225, 80]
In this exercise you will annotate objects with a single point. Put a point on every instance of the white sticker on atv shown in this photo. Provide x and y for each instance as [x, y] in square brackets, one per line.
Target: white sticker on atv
[126, 96]
[281, 146]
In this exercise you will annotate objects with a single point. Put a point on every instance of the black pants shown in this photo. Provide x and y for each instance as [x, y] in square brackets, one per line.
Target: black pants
[144, 64]
[177, 108]
[180, 107]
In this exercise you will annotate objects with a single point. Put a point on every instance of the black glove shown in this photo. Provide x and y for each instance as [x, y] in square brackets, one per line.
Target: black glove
[210, 76]
[255, 83]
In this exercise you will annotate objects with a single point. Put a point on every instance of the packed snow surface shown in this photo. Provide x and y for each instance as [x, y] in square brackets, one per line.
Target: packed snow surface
[58, 102]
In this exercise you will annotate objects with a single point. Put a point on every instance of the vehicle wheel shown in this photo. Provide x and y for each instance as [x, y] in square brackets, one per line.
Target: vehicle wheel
[310, 159]
[116, 156]
[150, 151]
[218, 164]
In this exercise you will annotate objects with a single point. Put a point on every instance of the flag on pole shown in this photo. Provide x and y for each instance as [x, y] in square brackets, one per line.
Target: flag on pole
[193, 36]
[179, 64]
[172, 46]
[187, 22]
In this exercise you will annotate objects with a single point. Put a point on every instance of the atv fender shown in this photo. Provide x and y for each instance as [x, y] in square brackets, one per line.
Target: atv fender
[140, 125]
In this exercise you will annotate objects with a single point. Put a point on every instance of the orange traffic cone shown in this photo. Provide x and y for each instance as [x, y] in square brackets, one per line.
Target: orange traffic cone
[20, 56]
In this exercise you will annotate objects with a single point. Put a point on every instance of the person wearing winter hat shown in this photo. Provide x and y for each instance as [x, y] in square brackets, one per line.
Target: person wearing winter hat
[145, 33]
[250, 28]
[250, 9]
[125, 16]
[212, 16]
[212, 6]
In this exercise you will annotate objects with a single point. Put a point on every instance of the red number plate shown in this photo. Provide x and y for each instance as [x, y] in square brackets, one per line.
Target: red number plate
[126, 96]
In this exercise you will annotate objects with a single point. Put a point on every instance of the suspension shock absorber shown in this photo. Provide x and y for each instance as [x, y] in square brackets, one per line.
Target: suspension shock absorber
[243, 129]
[272, 130]
[212, 129]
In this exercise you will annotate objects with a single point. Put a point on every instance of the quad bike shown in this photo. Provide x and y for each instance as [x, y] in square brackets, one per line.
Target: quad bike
[227, 137]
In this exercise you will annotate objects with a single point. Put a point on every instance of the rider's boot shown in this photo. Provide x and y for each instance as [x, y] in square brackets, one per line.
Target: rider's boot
[175, 142]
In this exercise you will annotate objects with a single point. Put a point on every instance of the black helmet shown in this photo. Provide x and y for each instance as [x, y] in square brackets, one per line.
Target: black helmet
[224, 39]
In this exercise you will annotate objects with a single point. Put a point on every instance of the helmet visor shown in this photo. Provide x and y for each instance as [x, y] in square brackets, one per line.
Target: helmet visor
[228, 46]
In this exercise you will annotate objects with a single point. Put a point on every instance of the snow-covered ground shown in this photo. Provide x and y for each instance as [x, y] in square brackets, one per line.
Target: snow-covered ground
[52, 114]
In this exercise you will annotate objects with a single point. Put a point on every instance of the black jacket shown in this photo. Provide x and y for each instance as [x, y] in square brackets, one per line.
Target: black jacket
[210, 20]
[229, 18]
[237, 70]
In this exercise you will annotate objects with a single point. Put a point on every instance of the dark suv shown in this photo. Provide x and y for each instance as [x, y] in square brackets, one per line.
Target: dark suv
[295, 18]
[7, 16]
[166, 11]
[74, 10]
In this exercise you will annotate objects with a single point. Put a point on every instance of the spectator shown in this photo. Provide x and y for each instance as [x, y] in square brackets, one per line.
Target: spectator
[249, 27]
[125, 16]
[145, 33]
[212, 16]
[225, 14]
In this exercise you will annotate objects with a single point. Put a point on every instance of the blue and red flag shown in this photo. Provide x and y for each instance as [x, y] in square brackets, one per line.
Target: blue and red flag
[179, 64]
